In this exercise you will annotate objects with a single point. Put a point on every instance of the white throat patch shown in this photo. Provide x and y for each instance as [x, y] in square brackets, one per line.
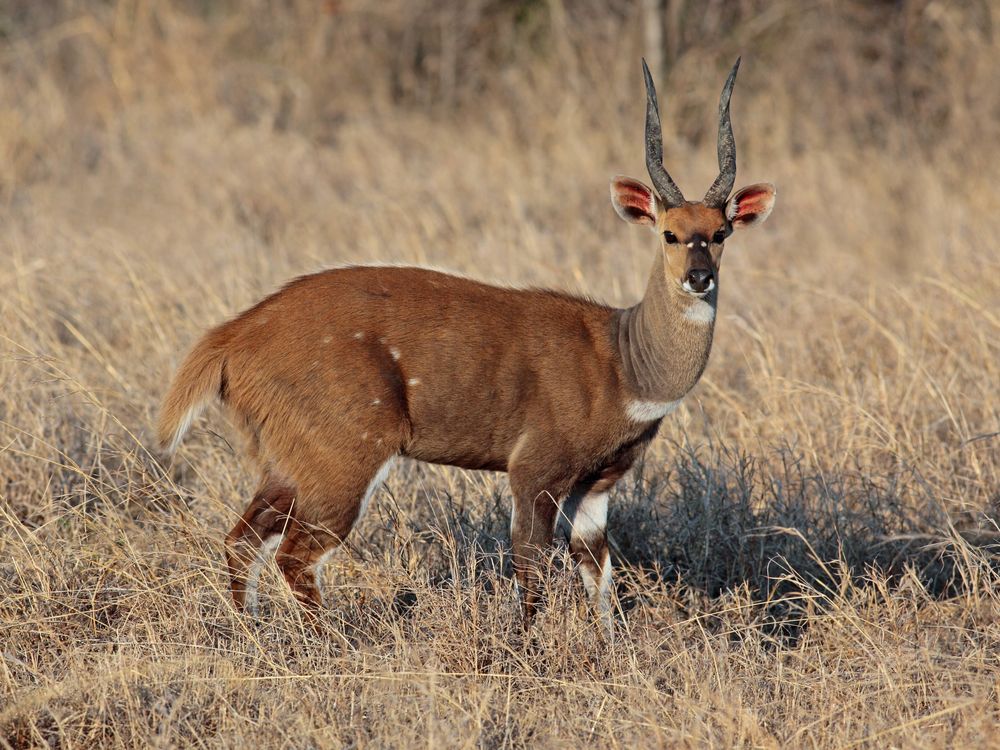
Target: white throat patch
[700, 311]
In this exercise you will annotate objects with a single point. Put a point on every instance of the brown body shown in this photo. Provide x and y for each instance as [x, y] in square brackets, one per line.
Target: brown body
[341, 371]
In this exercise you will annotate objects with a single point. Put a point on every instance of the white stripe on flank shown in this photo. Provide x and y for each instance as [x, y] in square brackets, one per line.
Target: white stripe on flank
[700, 311]
[264, 553]
[649, 411]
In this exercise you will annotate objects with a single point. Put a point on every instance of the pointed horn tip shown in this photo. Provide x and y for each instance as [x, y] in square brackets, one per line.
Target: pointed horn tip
[727, 88]
[733, 72]
[647, 76]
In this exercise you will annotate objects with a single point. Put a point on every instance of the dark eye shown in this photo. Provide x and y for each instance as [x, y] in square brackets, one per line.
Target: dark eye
[719, 237]
[670, 237]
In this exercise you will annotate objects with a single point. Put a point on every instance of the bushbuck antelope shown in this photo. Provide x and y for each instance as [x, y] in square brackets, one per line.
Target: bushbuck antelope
[341, 371]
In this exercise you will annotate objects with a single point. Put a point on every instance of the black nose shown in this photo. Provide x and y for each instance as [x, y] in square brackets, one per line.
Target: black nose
[699, 279]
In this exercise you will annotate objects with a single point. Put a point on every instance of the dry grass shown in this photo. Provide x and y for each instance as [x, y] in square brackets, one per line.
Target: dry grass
[804, 559]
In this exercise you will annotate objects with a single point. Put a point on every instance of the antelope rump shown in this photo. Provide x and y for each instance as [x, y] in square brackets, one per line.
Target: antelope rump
[342, 371]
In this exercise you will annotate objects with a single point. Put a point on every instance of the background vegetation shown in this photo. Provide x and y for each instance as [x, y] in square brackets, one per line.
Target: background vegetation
[807, 556]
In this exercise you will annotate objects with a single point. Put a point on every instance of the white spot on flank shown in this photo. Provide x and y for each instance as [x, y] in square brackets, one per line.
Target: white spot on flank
[394, 352]
[372, 486]
[414, 381]
[376, 402]
[264, 553]
[327, 339]
[359, 335]
[700, 311]
[649, 411]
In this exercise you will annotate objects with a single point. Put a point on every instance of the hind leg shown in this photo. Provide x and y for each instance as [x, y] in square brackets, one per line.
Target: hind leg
[322, 520]
[254, 536]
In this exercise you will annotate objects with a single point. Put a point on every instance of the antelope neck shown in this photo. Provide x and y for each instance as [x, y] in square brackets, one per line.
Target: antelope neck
[664, 340]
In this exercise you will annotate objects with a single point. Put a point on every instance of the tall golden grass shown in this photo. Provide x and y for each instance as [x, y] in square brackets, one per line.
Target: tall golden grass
[806, 558]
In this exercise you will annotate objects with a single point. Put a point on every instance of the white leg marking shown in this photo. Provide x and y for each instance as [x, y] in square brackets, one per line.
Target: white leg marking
[513, 522]
[599, 591]
[700, 311]
[318, 568]
[264, 554]
[590, 517]
[587, 525]
[602, 599]
[649, 411]
[373, 486]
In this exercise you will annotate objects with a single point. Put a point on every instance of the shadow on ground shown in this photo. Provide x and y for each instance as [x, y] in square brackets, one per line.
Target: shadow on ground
[715, 521]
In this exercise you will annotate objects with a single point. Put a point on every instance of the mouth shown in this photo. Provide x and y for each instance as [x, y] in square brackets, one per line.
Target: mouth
[688, 289]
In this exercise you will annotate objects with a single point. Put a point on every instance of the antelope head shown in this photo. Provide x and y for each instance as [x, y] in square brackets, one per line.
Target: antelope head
[692, 233]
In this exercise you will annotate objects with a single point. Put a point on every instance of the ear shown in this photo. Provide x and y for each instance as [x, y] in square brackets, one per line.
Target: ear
[751, 205]
[633, 201]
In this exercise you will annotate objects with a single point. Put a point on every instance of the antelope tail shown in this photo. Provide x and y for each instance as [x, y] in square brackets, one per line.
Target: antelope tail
[199, 379]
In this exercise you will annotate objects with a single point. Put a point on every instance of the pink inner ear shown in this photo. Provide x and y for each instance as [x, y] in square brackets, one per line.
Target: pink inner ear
[751, 204]
[634, 199]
